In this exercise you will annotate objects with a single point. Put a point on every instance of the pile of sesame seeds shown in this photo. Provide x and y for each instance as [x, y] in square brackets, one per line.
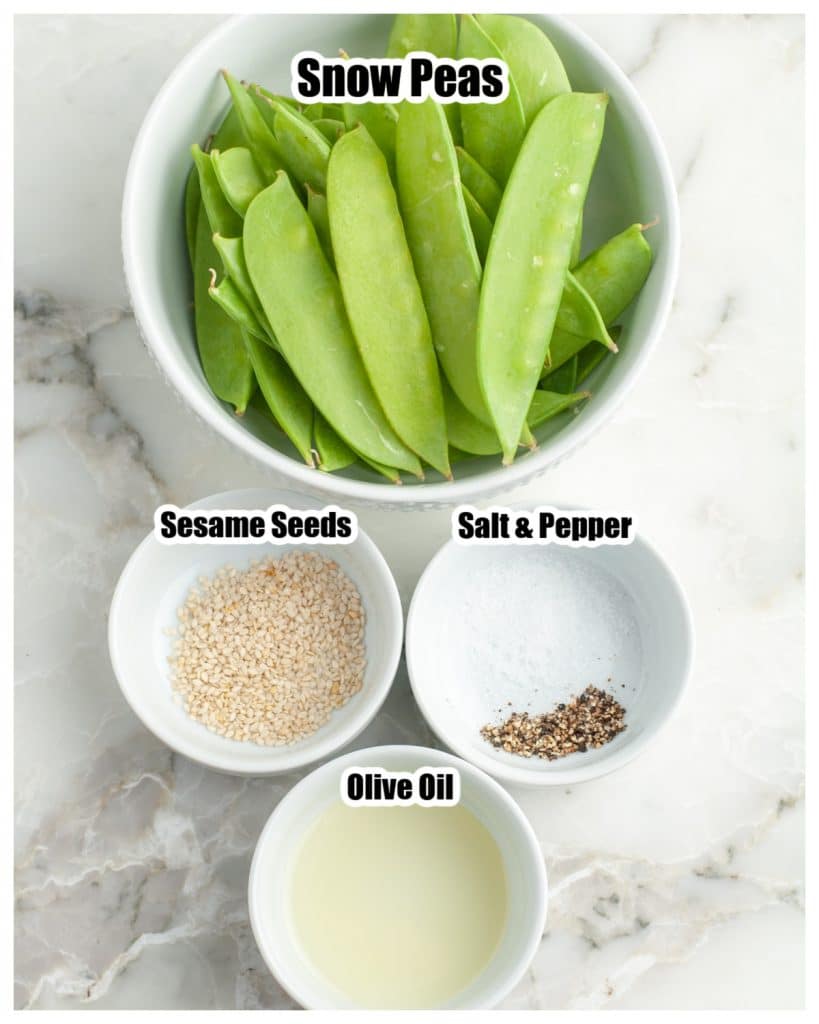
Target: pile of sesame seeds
[586, 722]
[266, 654]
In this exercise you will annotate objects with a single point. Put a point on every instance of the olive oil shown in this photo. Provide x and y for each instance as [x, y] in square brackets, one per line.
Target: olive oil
[398, 907]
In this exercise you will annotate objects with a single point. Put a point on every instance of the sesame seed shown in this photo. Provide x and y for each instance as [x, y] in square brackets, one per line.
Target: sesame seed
[266, 654]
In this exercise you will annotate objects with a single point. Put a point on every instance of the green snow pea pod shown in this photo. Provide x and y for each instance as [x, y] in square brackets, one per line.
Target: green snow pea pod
[546, 404]
[529, 255]
[305, 151]
[239, 176]
[317, 211]
[333, 453]
[258, 135]
[430, 33]
[303, 302]
[578, 313]
[335, 111]
[193, 200]
[227, 295]
[391, 474]
[615, 273]
[259, 94]
[219, 339]
[440, 239]
[285, 397]
[433, 33]
[493, 132]
[564, 379]
[590, 357]
[231, 251]
[612, 275]
[381, 122]
[313, 111]
[383, 298]
[577, 241]
[480, 183]
[221, 215]
[465, 431]
[479, 222]
[331, 129]
[534, 64]
[470, 435]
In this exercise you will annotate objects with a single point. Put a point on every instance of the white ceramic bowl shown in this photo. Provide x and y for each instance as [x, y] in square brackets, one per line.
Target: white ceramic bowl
[496, 629]
[151, 588]
[632, 182]
[278, 845]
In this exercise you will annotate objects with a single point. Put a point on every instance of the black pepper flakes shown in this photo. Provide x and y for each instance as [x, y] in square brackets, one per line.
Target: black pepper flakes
[587, 722]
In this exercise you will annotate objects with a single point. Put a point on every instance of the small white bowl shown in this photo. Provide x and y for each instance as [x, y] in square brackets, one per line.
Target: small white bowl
[153, 585]
[632, 182]
[497, 629]
[281, 838]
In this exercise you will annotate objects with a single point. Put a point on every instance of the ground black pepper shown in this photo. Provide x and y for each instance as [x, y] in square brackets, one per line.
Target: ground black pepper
[588, 721]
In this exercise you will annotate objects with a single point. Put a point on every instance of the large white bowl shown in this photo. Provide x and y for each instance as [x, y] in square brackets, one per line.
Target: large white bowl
[279, 843]
[496, 629]
[153, 585]
[632, 182]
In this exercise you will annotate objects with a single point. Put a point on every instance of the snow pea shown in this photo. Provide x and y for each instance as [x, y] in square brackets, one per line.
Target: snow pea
[303, 302]
[304, 150]
[470, 435]
[534, 64]
[529, 255]
[433, 33]
[258, 135]
[239, 176]
[577, 241]
[227, 295]
[578, 313]
[313, 111]
[440, 239]
[493, 132]
[590, 357]
[480, 183]
[387, 471]
[225, 361]
[546, 404]
[231, 251]
[612, 275]
[333, 453]
[285, 397]
[331, 129]
[317, 211]
[565, 379]
[615, 273]
[382, 296]
[479, 222]
[430, 33]
[381, 122]
[193, 199]
[221, 215]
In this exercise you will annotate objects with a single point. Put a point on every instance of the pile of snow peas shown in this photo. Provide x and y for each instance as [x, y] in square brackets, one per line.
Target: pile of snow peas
[400, 286]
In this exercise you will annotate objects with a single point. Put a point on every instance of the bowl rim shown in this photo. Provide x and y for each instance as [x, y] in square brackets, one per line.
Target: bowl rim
[522, 775]
[440, 493]
[526, 836]
[272, 760]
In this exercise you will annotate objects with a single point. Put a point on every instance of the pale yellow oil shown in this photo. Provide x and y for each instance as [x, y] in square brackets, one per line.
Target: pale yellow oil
[399, 907]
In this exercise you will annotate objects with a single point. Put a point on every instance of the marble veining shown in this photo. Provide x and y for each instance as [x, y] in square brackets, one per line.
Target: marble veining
[677, 882]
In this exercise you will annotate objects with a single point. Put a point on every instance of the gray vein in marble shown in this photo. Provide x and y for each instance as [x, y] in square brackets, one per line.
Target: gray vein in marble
[52, 347]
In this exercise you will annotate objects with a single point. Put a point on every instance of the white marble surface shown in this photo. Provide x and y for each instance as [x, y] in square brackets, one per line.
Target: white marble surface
[676, 883]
